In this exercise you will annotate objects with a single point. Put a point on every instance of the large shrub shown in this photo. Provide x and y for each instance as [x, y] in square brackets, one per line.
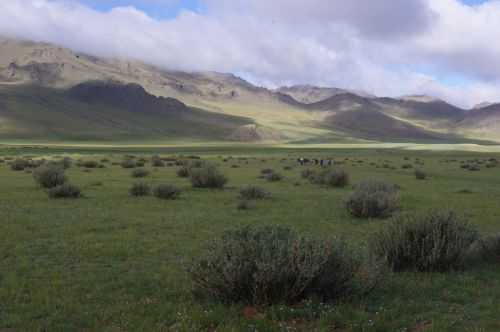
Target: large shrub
[432, 241]
[65, 191]
[273, 265]
[167, 191]
[49, 176]
[373, 199]
[208, 176]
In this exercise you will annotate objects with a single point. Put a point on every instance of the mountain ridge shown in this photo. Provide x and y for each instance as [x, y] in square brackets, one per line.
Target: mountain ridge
[296, 113]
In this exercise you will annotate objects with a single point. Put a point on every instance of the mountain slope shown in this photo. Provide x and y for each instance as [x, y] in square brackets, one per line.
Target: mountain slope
[103, 111]
[483, 122]
[222, 106]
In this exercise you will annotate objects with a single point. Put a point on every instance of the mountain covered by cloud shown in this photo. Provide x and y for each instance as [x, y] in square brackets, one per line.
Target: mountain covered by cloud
[443, 48]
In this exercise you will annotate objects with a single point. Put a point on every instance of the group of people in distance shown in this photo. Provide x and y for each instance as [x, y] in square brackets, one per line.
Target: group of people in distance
[320, 162]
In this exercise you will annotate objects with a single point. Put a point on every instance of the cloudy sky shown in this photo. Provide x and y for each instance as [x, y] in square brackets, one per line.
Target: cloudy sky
[446, 48]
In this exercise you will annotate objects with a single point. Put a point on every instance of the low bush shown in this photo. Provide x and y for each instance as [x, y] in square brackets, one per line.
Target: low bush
[66, 162]
[273, 177]
[254, 193]
[128, 163]
[373, 199]
[307, 173]
[183, 172]
[488, 248]
[140, 189]
[157, 162]
[208, 176]
[66, 190]
[188, 166]
[245, 204]
[435, 241]
[20, 164]
[266, 171]
[274, 265]
[140, 173]
[420, 174]
[49, 176]
[331, 178]
[90, 164]
[167, 191]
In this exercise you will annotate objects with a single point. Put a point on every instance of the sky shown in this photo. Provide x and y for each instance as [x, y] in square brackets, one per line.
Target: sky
[448, 49]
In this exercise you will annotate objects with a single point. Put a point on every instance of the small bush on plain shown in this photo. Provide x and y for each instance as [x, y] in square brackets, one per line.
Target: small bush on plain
[208, 176]
[140, 189]
[49, 176]
[65, 190]
[167, 192]
[435, 241]
[140, 173]
[273, 177]
[128, 163]
[373, 199]
[420, 174]
[254, 193]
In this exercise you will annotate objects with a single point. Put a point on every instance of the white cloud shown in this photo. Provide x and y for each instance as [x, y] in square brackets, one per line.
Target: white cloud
[379, 46]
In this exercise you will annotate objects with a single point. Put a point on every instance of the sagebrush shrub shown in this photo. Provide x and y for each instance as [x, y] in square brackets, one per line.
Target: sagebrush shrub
[208, 176]
[90, 164]
[266, 171]
[435, 241]
[332, 178]
[66, 162]
[49, 176]
[140, 189]
[373, 199]
[307, 173]
[420, 174]
[183, 172]
[188, 166]
[489, 248]
[20, 164]
[128, 163]
[273, 177]
[254, 193]
[245, 204]
[167, 191]
[271, 265]
[140, 173]
[65, 190]
[157, 162]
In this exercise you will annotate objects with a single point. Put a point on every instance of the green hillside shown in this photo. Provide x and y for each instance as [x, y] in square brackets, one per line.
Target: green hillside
[34, 112]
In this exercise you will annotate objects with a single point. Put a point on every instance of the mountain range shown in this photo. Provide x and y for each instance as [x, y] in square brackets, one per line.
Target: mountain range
[51, 93]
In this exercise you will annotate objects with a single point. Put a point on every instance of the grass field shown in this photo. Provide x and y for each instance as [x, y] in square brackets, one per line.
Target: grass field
[112, 262]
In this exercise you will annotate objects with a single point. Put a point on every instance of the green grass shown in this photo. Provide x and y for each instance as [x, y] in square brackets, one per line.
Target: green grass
[111, 262]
